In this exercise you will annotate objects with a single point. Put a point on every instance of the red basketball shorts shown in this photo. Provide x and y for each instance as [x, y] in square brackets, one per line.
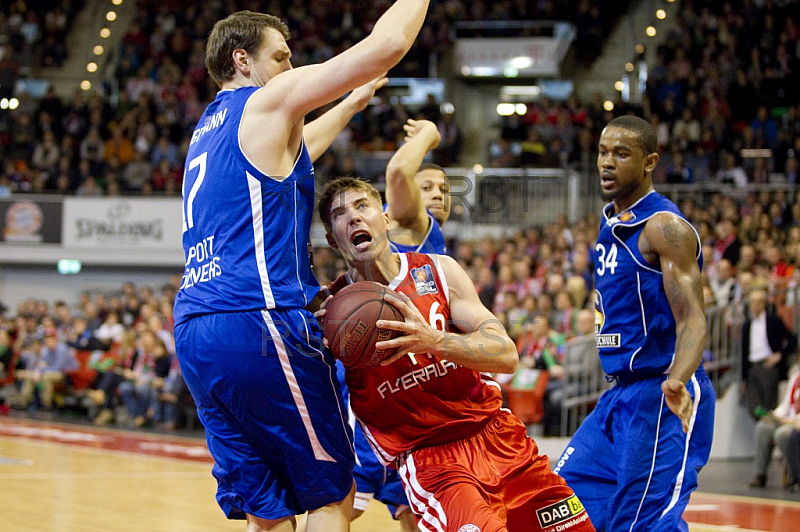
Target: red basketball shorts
[495, 481]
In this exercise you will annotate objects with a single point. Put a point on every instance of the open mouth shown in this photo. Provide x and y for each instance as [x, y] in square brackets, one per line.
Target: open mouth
[361, 240]
[607, 180]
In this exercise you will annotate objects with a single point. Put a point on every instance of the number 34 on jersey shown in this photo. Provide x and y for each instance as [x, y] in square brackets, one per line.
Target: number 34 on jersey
[606, 259]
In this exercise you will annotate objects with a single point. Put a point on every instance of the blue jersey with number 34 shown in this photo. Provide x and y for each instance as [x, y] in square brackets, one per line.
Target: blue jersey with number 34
[245, 234]
[634, 324]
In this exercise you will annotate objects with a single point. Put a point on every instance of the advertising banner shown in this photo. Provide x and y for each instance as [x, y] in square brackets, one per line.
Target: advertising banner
[30, 220]
[120, 222]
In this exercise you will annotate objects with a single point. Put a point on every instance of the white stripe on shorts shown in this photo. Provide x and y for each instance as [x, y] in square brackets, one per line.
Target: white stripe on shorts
[421, 500]
[679, 480]
[297, 395]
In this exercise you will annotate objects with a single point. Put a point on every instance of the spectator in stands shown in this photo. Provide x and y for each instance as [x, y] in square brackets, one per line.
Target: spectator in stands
[723, 284]
[118, 146]
[765, 127]
[450, 146]
[137, 173]
[727, 246]
[44, 369]
[731, 173]
[9, 71]
[780, 427]
[89, 187]
[767, 346]
[533, 149]
[104, 388]
[678, 173]
[145, 380]
[539, 347]
[779, 269]
[111, 330]
[791, 174]
[172, 391]
[81, 336]
[5, 353]
[565, 313]
[46, 153]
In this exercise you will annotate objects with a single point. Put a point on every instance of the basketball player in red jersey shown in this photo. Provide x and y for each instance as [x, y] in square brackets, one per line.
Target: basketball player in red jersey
[467, 465]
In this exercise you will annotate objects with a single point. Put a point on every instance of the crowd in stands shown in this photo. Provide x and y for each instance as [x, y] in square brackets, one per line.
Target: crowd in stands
[88, 146]
[32, 36]
[720, 86]
[111, 356]
[725, 80]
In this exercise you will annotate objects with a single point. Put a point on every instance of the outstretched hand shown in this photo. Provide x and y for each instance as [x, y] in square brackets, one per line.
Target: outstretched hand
[417, 334]
[416, 127]
[363, 94]
[678, 400]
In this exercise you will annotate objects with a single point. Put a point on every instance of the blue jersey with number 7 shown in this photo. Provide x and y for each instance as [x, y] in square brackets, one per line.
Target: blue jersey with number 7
[634, 324]
[245, 234]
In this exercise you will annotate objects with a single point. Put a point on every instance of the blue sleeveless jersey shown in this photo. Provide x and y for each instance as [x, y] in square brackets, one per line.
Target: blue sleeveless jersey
[433, 243]
[634, 325]
[245, 235]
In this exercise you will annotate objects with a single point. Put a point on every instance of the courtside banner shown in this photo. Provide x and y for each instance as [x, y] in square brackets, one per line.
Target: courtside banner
[30, 220]
[133, 223]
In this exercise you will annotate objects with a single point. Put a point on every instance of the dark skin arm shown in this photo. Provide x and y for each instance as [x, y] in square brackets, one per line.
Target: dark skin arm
[668, 241]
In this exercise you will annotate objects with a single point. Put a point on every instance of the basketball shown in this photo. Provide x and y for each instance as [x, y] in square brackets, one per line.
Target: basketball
[349, 324]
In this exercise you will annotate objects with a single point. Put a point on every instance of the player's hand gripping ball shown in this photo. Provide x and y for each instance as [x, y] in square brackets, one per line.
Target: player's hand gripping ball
[349, 324]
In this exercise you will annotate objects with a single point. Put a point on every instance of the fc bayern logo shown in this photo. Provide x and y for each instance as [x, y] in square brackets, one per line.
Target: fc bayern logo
[469, 528]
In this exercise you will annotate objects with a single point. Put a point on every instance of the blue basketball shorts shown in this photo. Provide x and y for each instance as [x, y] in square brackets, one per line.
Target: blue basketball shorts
[373, 479]
[630, 462]
[267, 393]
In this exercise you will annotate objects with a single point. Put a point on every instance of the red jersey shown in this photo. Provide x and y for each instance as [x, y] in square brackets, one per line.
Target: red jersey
[421, 400]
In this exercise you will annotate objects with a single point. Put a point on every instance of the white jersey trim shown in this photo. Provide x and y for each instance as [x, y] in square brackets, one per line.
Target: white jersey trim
[645, 220]
[257, 209]
[641, 303]
[239, 143]
[442, 278]
[383, 456]
[403, 272]
[419, 249]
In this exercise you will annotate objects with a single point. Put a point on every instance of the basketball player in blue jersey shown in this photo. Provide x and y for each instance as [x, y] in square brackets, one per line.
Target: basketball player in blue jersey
[251, 353]
[634, 461]
[417, 195]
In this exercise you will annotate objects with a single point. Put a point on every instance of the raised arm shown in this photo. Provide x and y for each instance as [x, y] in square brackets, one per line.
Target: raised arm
[675, 243]
[480, 341]
[403, 197]
[301, 90]
[320, 133]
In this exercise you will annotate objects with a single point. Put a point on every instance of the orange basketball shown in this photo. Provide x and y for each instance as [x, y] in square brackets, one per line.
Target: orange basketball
[349, 324]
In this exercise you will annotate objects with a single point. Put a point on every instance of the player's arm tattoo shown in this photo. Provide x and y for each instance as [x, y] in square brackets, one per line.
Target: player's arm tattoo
[674, 230]
[681, 289]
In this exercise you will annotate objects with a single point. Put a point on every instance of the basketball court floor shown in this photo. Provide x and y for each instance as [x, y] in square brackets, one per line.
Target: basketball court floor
[70, 477]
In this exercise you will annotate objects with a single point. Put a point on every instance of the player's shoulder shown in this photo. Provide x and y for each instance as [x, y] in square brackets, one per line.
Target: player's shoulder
[667, 230]
[450, 268]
